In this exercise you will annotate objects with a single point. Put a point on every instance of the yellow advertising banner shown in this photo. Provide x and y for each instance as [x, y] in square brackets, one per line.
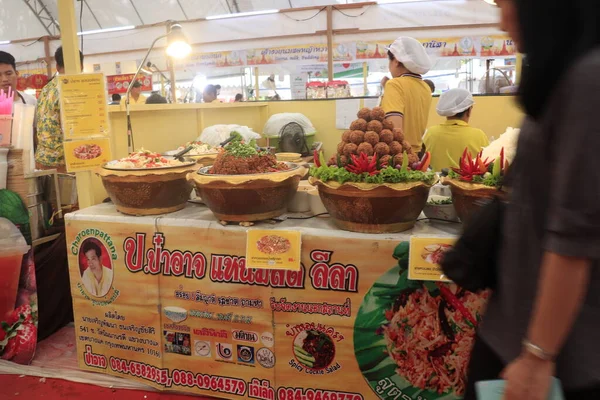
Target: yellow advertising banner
[176, 307]
[497, 46]
[451, 47]
[214, 60]
[310, 53]
[465, 47]
[83, 105]
[87, 154]
[371, 50]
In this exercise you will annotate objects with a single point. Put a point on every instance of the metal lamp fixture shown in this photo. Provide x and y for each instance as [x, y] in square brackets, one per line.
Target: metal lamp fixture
[177, 47]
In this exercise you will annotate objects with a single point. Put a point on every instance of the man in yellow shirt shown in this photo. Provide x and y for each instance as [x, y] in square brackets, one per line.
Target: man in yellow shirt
[209, 95]
[135, 95]
[97, 278]
[407, 97]
[453, 136]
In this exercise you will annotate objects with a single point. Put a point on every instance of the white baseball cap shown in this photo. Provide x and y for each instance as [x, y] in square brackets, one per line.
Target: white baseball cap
[412, 54]
[454, 101]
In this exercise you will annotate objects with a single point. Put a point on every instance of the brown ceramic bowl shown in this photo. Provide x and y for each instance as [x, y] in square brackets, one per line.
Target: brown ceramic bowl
[247, 198]
[148, 191]
[467, 197]
[370, 208]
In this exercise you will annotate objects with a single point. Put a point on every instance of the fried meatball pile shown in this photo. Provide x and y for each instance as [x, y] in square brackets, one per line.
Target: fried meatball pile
[373, 135]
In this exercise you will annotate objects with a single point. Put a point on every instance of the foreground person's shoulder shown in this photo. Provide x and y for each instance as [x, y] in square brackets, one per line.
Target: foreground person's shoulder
[584, 73]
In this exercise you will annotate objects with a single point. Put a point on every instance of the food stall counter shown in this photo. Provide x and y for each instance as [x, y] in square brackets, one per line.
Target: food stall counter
[168, 300]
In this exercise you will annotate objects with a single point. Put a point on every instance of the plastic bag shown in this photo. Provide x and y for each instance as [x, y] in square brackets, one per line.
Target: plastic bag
[278, 121]
[508, 140]
[217, 134]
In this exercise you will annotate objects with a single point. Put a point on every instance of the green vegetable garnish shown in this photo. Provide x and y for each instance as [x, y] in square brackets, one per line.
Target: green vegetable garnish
[404, 162]
[387, 175]
[440, 202]
[486, 180]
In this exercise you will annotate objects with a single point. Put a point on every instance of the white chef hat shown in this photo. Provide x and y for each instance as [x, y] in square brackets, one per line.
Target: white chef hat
[412, 54]
[454, 101]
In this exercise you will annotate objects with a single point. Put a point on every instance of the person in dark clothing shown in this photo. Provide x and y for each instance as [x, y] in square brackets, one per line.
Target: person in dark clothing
[543, 318]
[156, 98]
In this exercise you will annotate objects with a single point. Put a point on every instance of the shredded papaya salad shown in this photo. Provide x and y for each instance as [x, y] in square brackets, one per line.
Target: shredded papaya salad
[144, 159]
[430, 336]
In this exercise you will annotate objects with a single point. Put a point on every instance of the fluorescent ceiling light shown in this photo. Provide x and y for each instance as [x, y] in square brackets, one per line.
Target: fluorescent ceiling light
[243, 14]
[4, 41]
[116, 29]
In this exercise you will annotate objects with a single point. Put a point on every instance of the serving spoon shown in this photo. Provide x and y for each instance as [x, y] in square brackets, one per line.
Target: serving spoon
[179, 156]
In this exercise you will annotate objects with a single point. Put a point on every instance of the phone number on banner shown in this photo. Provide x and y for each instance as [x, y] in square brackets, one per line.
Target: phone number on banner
[178, 378]
[284, 393]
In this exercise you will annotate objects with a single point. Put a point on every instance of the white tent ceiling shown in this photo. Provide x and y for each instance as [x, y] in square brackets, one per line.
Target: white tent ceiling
[24, 19]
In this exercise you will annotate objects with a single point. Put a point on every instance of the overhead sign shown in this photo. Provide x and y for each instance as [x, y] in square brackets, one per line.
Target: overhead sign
[120, 83]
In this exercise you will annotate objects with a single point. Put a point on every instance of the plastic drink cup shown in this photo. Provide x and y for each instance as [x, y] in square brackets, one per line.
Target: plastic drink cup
[5, 129]
[12, 248]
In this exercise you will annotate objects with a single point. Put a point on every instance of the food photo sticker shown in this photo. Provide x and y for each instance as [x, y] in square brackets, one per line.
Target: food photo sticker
[87, 151]
[87, 154]
[273, 249]
[412, 338]
[95, 267]
[426, 255]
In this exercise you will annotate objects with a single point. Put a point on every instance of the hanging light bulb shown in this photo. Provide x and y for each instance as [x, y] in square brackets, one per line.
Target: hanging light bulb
[178, 45]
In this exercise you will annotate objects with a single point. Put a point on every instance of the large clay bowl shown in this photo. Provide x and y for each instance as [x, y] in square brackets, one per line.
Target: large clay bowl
[370, 208]
[247, 198]
[468, 197]
[149, 191]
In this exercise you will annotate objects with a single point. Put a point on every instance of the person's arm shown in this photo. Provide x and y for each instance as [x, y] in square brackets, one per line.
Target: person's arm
[554, 315]
[562, 288]
[397, 120]
[393, 104]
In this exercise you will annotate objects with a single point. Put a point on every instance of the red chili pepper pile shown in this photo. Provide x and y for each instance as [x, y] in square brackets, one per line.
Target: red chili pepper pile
[361, 165]
[455, 302]
[470, 168]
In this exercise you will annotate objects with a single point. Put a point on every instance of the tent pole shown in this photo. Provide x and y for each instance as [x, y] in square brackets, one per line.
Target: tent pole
[171, 66]
[330, 43]
[47, 56]
[365, 79]
[256, 84]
